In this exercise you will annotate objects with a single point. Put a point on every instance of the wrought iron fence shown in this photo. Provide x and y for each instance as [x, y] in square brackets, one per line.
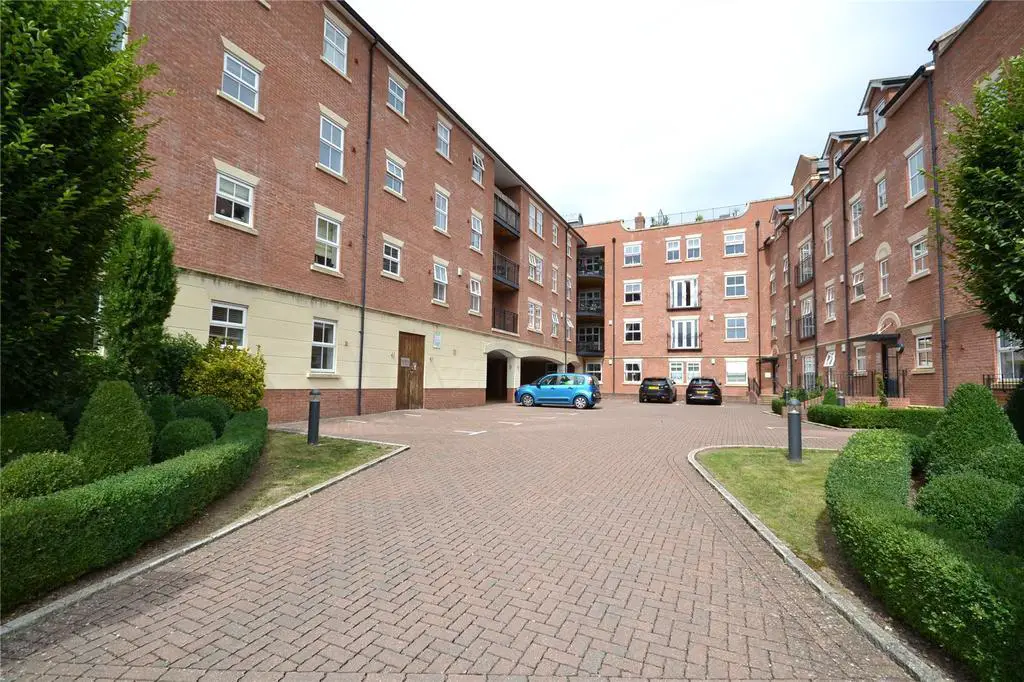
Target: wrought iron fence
[996, 382]
[505, 320]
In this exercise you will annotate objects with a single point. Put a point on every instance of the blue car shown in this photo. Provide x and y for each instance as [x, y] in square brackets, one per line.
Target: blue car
[579, 390]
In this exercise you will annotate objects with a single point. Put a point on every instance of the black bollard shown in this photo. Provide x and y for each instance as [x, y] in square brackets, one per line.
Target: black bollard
[313, 426]
[795, 444]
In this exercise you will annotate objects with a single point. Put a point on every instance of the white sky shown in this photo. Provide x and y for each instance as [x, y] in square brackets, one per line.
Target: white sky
[651, 105]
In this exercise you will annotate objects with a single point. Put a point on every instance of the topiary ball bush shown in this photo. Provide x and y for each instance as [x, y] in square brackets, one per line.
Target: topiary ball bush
[114, 434]
[972, 422]
[163, 410]
[25, 432]
[830, 397]
[40, 473]
[182, 435]
[209, 408]
[968, 503]
[1008, 534]
[1001, 462]
[1015, 410]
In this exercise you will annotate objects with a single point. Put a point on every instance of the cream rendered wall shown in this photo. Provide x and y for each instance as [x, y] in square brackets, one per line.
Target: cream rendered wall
[281, 323]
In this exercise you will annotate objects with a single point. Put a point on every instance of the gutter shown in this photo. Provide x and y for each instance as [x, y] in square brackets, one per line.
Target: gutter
[366, 232]
[790, 290]
[760, 348]
[614, 299]
[943, 345]
[846, 271]
[814, 284]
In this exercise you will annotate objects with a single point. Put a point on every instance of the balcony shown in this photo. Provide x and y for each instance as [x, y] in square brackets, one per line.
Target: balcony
[682, 303]
[804, 271]
[584, 348]
[506, 217]
[684, 342]
[590, 267]
[506, 273]
[589, 308]
[505, 320]
[806, 328]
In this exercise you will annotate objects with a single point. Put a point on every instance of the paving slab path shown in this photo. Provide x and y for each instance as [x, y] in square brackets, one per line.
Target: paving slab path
[507, 541]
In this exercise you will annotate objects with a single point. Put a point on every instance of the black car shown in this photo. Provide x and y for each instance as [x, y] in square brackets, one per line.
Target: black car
[703, 390]
[658, 388]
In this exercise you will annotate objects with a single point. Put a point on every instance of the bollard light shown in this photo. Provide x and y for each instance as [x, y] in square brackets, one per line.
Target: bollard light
[841, 397]
[313, 425]
[795, 441]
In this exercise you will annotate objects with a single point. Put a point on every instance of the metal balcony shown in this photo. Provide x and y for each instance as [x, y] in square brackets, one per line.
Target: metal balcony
[806, 328]
[685, 342]
[505, 320]
[589, 308]
[506, 216]
[682, 304]
[590, 267]
[804, 271]
[589, 348]
[506, 271]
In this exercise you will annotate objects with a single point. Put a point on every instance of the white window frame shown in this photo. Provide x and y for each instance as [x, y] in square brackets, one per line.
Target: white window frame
[568, 287]
[234, 199]
[1009, 354]
[785, 270]
[878, 121]
[881, 194]
[476, 294]
[673, 246]
[535, 316]
[394, 171]
[627, 285]
[638, 371]
[737, 317]
[227, 324]
[735, 362]
[639, 330]
[856, 219]
[729, 239]
[332, 146]
[244, 65]
[775, 325]
[339, 47]
[729, 275]
[396, 246]
[827, 243]
[914, 172]
[678, 327]
[398, 90]
[323, 345]
[631, 250]
[679, 287]
[535, 273]
[554, 279]
[923, 352]
[536, 220]
[771, 281]
[677, 370]
[476, 230]
[594, 370]
[326, 244]
[857, 281]
[689, 247]
[441, 203]
[883, 278]
[919, 257]
[860, 359]
[443, 142]
[554, 324]
[830, 302]
[440, 282]
[478, 167]
[554, 232]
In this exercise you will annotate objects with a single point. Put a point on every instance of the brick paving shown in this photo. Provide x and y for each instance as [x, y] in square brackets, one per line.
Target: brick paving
[561, 544]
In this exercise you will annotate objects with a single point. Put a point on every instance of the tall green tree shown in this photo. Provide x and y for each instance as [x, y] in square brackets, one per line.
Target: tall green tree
[983, 195]
[139, 285]
[72, 150]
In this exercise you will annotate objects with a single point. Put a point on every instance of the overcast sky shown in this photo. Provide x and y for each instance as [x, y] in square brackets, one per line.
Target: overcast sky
[658, 105]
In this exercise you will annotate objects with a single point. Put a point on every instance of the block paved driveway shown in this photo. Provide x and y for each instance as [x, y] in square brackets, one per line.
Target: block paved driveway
[507, 541]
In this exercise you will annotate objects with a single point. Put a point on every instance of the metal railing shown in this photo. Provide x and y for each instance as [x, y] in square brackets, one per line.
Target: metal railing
[589, 307]
[996, 382]
[754, 386]
[864, 384]
[506, 214]
[680, 343]
[505, 320]
[661, 219]
[590, 267]
[589, 347]
[506, 270]
[804, 271]
[806, 329]
[673, 304]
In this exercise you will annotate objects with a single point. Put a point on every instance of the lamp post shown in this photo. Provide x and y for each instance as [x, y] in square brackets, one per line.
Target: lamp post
[313, 425]
[795, 443]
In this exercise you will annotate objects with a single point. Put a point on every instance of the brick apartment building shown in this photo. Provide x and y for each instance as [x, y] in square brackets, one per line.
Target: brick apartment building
[328, 207]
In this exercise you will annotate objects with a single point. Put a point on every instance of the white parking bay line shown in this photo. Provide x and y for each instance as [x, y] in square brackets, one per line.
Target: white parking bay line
[355, 421]
[512, 423]
[470, 433]
[409, 414]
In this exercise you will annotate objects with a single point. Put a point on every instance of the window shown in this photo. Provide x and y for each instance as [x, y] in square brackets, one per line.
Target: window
[632, 371]
[736, 372]
[594, 370]
[234, 200]
[568, 288]
[676, 370]
[475, 295]
[554, 323]
[827, 239]
[631, 254]
[440, 283]
[785, 269]
[860, 359]
[735, 243]
[685, 334]
[671, 250]
[735, 285]
[328, 236]
[568, 328]
[476, 231]
[805, 263]
[771, 281]
[923, 354]
[227, 323]
[335, 46]
[775, 326]
[915, 173]
[332, 146]
[536, 268]
[323, 346]
[856, 220]
[830, 303]
[536, 221]
[392, 259]
[440, 209]
[881, 194]
[693, 248]
[807, 329]
[396, 94]
[883, 277]
[633, 291]
[554, 278]
[682, 292]
[919, 253]
[554, 233]
[877, 118]
[786, 308]
[240, 82]
[444, 139]
[634, 331]
[692, 369]
[736, 327]
[478, 170]
[1011, 357]
[810, 376]
[394, 178]
[857, 284]
[534, 321]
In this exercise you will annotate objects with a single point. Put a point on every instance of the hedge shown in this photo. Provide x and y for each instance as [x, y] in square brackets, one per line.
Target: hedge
[777, 405]
[115, 433]
[49, 541]
[963, 595]
[1009, 533]
[25, 432]
[919, 421]
[230, 373]
[1003, 462]
[1015, 410]
[208, 407]
[162, 410]
[40, 473]
[969, 503]
[973, 422]
[182, 435]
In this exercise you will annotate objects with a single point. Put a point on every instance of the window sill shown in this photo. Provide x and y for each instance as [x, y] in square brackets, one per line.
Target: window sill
[502, 331]
[234, 224]
[265, 3]
[879, 210]
[326, 270]
[446, 158]
[478, 184]
[916, 199]
[440, 231]
[335, 69]
[923, 273]
[436, 302]
[828, 258]
[884, 297]
[313, 374]
[391, 275]
[332, 173]
[858, 299]
[633, 303]
[857, 239]
[735, 298]
[736, 340]
[228, 98]
[735, 255]
[923, 370]
[533, 281]
[630, 383]
[475, 314]
[394, 193]
[744, 385]
[473, 248]
[397, 113]
[829, 320]
[631, 343]
[534, 331]
[693, 260]
[860, 373]
[674, 260]
[634, 265]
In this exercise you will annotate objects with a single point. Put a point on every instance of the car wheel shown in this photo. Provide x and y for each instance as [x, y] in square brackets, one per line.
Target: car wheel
[641, 399]
[580, 403]
[527, 400]
[688, 401]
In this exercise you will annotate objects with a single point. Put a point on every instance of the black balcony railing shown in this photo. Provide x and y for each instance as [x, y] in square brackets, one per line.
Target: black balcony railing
[685, 341]
[506, 215]
[506, 270]
[865, 384]
[590, 266]
[589, 347]
[676, 303]
[806, 328]
[505, 320]
[589, 307]
[804, 271]
[995, 382]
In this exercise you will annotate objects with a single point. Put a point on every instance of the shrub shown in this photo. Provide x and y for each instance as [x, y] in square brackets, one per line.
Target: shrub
[917, 448]
[831, 397]
[777, 405]
[51, 540]
[969, 503]
[959, 593]
[115, 433]
[173, 357]
[230, 373]
[972, 422]
[208, 408]
[919, 421]
[40, 473]
[1015, 410]
[182, 435]
[162, 410]
[1001, 462]
[1008, 534]
[24, 432]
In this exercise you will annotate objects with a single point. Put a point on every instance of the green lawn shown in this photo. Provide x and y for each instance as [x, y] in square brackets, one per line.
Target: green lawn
[290, 466]
[788, 498]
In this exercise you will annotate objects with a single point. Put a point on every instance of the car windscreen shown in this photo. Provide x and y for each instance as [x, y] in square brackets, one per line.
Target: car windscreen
[654, 380]
[702, 382]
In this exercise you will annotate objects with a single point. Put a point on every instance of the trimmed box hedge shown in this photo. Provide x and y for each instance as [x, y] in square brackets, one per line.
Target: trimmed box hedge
[967, 502]
[25, 432]
[49, 541]
[208, 407]
[115, 433]
[40, 473]
[777, 405]
[919, 421]
[960, 593]
[182, 435]
[973, 422]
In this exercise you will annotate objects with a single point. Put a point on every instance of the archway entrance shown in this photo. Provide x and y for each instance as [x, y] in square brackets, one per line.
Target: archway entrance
[571, 367]
[535, 367]
[497, 376]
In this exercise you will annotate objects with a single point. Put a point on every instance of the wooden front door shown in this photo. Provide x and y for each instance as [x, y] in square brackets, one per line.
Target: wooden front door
[410, 372]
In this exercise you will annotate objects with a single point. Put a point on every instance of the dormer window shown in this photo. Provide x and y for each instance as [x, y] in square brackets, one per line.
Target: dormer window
[878, 121]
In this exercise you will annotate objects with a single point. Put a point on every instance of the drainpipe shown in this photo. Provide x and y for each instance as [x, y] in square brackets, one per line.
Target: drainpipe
[565, 305]
[605, 330]
[846, 274]
[814, 283]
[760, 350]
[790, 290]
[938, 235]
[366, 231]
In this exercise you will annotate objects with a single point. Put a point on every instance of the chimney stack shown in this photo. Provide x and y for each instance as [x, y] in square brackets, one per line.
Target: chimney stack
[639, 222]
